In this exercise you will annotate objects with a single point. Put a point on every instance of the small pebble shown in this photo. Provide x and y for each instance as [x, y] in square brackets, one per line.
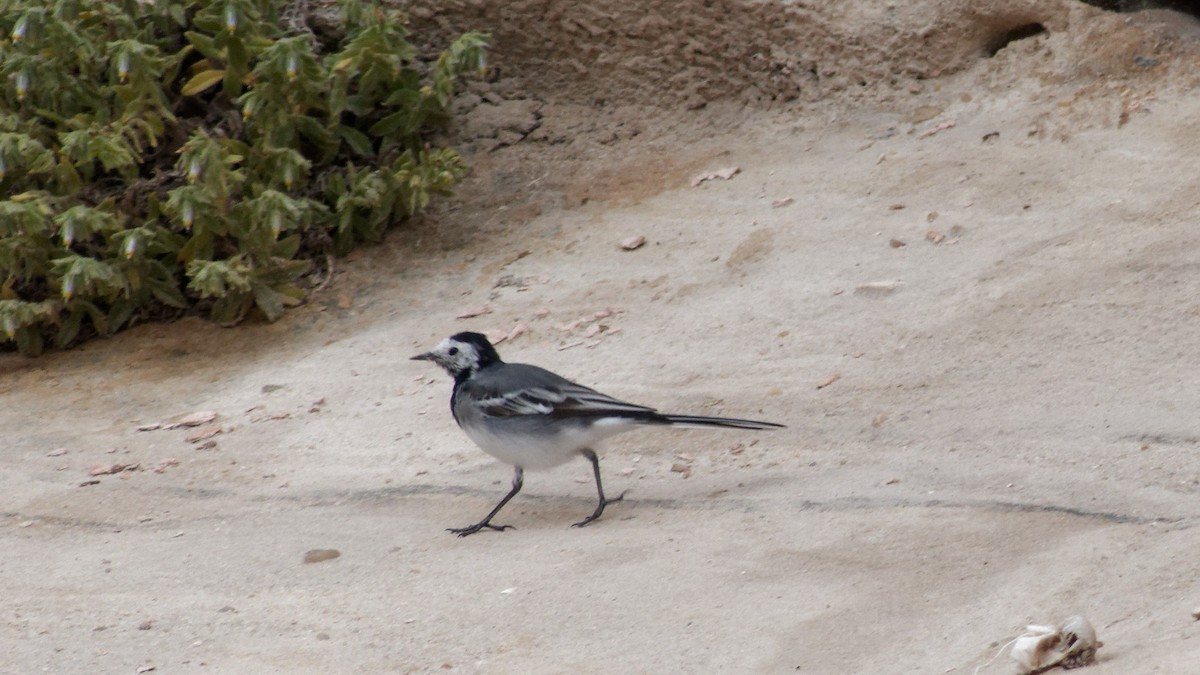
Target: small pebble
[321, 555]
[633, 243]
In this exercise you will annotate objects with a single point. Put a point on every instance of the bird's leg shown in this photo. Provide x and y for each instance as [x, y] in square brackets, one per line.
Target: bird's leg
[518, 480]
[591, 455]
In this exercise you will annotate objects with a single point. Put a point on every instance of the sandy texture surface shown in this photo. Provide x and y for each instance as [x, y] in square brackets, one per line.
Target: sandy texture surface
[996, 254]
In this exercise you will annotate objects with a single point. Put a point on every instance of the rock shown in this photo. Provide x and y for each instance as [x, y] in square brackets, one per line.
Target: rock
[465, 103]
[633, 243]
[317, 555]
[518, 118]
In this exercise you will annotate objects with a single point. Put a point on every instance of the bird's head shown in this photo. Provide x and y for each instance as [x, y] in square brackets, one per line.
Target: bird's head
[462, 354]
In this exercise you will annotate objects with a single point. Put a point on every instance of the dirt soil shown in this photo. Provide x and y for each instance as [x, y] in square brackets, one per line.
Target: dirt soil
[989, 242]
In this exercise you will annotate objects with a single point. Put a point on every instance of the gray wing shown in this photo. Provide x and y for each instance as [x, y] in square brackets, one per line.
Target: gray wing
[519, 389]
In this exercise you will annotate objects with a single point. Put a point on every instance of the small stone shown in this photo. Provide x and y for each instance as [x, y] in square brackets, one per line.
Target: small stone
[192, 420]
[105, 469]
[321, 555]
[517, 118]
[203, 433]
[633, 243]
[723, 174]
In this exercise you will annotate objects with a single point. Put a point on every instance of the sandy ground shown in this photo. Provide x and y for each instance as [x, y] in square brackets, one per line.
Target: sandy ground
[1011, 437]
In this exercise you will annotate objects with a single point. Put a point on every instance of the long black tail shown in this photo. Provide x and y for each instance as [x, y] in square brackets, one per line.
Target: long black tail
[698, 422]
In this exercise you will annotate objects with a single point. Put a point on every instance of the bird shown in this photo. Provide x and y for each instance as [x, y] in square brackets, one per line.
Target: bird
[531, 418]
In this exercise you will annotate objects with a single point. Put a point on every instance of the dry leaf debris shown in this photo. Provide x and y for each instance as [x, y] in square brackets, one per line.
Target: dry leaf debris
[591, 328]
[723, 174]
[948, 124]
[473, 312]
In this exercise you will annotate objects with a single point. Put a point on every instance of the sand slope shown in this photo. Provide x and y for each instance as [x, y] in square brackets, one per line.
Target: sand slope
[1011, 438]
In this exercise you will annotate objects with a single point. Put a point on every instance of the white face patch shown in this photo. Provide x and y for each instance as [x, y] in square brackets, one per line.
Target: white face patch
[455, 356]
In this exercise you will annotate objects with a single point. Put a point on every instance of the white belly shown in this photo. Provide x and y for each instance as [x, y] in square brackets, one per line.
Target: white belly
[534, 451]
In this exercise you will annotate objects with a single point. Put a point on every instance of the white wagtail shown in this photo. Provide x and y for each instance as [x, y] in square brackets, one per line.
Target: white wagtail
[531, 418]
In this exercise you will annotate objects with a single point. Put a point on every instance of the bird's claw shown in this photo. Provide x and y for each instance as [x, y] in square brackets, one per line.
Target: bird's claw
[599, 510]
[472, 529]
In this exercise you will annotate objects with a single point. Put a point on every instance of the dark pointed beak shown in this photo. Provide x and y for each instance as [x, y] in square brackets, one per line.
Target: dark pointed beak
[427, 356]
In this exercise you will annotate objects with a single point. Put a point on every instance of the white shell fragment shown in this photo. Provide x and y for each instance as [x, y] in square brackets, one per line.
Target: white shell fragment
[1070, 645]
[724, 174]
[878, 287]
[633, 243]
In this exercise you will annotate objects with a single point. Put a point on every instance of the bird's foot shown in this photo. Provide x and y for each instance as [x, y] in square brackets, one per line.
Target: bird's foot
[599, 510]
[472, 529]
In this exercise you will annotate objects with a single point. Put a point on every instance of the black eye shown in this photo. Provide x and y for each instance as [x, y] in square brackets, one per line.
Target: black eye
[453, 351]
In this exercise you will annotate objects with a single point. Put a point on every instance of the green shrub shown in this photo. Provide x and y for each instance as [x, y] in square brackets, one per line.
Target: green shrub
[159, 155]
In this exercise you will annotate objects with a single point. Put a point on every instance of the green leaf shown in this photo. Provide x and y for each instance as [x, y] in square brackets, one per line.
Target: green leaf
[69, 328]
[404, 98]
[269, 301]
[293, 295]
[239, 65]
[30, 342]
[204, 44]
[287, 247]
[390, 124]
[99, 319]
[313, 130]
[204, 81]
[120, 314]
[284, 271]
[167, 293]
[359, 142]
[198, 247]
[232, 308]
